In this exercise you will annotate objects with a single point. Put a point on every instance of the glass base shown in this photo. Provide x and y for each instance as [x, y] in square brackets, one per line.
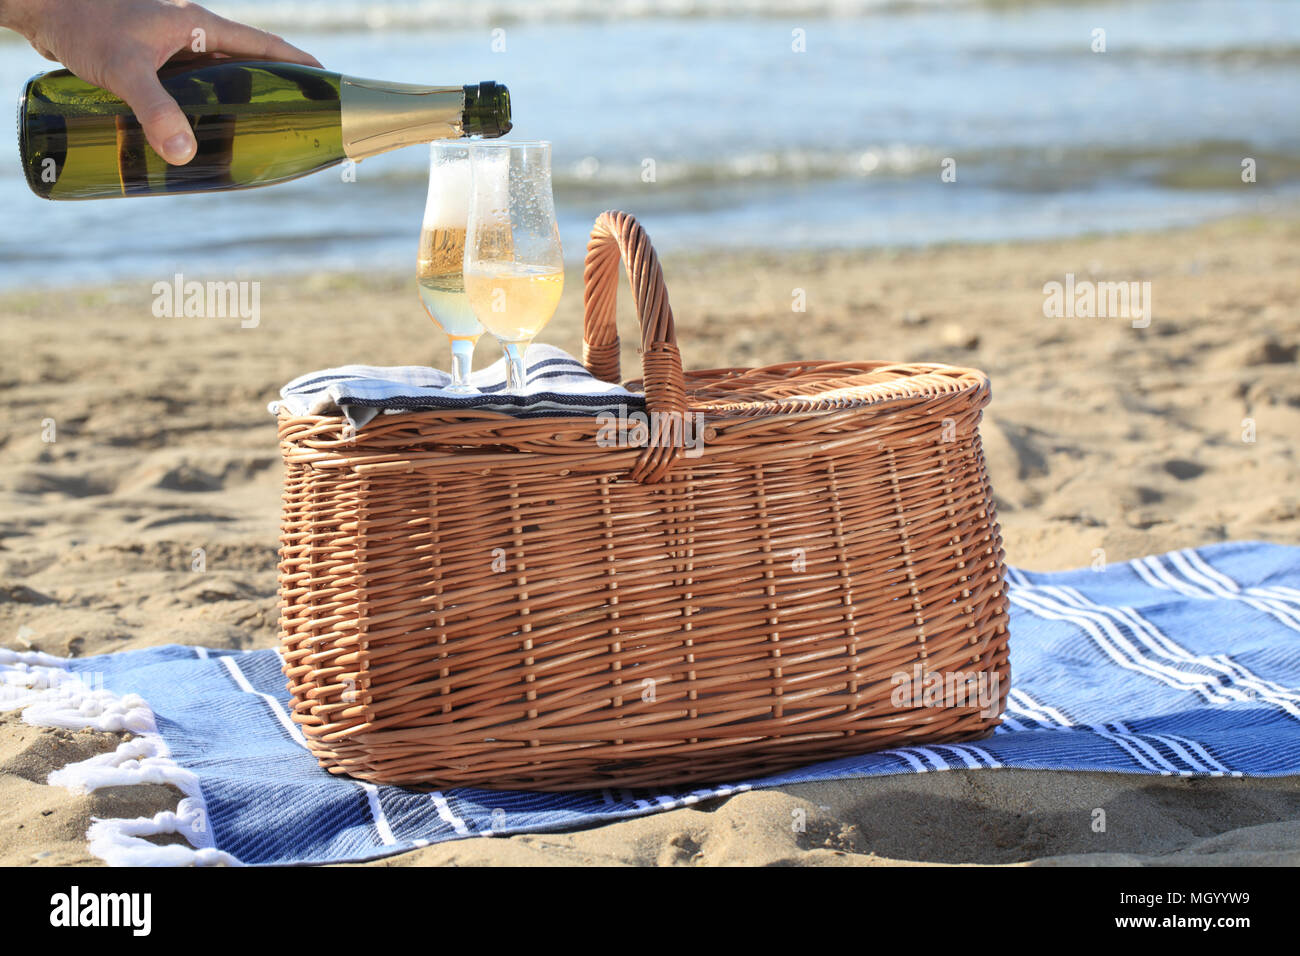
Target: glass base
[462, 359]
[516, 370]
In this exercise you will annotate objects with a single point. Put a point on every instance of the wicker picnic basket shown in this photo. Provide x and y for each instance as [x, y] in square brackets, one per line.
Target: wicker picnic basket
[472, 598]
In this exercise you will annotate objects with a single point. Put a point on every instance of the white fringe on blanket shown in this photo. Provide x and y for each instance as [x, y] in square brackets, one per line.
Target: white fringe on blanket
[53, 696]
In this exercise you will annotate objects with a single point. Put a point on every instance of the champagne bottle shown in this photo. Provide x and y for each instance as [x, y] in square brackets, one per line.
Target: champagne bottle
[256, 123]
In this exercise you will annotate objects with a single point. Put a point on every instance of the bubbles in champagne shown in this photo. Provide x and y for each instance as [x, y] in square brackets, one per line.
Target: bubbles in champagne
[442, 243]
[448, 204]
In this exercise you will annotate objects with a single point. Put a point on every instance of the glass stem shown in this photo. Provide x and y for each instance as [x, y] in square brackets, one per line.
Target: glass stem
[462, 361]
[516, 371]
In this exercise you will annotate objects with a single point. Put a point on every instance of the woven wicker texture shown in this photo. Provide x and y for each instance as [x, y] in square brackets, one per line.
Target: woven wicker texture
[469, 598]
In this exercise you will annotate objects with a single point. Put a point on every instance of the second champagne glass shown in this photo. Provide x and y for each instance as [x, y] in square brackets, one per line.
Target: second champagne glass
[441, 264]
[514, 269]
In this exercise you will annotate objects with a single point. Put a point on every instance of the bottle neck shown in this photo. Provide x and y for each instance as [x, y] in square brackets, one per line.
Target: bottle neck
[378, 116]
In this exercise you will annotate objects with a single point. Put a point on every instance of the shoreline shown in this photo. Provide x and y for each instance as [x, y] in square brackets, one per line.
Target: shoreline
[1100, 436]
[1272, 210]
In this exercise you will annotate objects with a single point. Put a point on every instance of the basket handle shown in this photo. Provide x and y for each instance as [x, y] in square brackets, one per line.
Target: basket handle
[618, 235]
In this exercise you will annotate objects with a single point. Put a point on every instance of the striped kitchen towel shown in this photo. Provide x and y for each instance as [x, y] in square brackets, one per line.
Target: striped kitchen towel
[1183, 664]
[558, 384]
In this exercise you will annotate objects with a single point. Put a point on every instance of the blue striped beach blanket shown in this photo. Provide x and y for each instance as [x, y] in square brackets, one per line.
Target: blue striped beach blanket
[558, 384]
[1186, 663]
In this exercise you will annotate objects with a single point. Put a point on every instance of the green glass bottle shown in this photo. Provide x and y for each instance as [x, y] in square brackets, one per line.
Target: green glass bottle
[256, 123]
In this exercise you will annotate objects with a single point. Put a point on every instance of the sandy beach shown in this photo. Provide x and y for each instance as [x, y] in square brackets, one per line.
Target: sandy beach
[1100, 436]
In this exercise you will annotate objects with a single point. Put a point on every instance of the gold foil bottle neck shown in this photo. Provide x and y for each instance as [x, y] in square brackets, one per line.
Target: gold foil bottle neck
[378, 116]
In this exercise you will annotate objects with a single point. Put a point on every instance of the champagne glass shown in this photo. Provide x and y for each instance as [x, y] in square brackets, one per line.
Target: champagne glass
[441, 264]
[514, 270]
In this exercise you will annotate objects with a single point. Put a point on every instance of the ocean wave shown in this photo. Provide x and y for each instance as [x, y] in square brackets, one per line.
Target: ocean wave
[314, 15]
[585, 174]
[1197, 164]
[798, 164]
[1231, 56]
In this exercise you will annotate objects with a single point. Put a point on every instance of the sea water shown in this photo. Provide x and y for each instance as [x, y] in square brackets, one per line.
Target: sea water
[780, 124]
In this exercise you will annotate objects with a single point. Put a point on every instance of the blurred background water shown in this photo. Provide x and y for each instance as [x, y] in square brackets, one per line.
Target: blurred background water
[753, 143]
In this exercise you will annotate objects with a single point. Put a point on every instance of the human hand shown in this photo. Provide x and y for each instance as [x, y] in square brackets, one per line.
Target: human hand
[120, 44]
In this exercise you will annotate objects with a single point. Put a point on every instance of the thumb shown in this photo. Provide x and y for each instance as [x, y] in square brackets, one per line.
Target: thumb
[164, 124]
